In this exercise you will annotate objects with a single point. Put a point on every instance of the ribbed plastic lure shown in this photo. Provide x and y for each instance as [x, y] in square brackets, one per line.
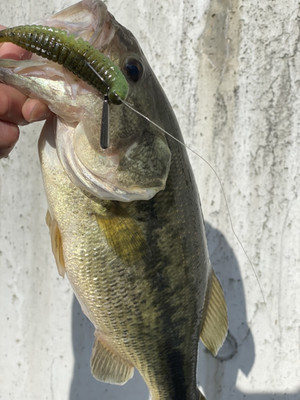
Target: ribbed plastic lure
[75, 54]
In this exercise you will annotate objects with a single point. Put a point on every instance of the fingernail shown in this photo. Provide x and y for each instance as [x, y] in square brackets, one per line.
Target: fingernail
[39, 112]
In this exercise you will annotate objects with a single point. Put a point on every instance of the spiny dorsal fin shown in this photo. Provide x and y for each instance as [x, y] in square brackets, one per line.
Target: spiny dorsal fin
[215, 325]
[107, 366]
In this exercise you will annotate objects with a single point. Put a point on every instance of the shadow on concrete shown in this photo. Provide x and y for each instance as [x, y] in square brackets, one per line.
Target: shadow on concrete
[217, 376]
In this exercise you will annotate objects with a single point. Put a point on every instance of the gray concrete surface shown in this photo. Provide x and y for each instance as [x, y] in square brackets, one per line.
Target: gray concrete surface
[231, 70]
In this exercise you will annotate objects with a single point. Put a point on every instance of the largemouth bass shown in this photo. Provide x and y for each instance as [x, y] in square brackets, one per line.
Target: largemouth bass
[126, 222]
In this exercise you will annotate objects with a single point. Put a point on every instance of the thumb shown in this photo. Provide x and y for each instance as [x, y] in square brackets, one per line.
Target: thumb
[12, 51]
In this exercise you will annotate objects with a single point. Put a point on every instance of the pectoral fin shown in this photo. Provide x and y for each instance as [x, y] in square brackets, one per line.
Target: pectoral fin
[107, 366]
[56, 244]
[124, 236]
[215, 324]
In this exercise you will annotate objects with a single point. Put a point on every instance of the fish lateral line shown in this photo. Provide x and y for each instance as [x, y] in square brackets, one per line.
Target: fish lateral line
[222, 191]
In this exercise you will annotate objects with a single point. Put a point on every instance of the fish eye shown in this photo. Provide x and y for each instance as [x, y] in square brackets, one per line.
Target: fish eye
[133, 69]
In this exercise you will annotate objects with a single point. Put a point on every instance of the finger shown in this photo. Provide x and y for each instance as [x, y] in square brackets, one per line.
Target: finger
[9, 134]
[11, 103]
[12, 51]
[34, 110]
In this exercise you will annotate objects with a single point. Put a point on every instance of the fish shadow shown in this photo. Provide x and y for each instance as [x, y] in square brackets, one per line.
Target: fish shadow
[217, 376]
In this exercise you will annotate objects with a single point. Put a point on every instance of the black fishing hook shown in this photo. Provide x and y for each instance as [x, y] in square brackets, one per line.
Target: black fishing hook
[104, 134]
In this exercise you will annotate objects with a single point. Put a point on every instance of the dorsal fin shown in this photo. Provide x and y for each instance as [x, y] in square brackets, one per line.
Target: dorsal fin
[215, 324]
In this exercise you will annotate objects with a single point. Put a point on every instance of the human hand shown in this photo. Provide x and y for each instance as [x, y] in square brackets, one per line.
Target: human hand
[16, 108]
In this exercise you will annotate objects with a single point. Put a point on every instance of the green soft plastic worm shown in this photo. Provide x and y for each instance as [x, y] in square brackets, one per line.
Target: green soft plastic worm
[75, 54]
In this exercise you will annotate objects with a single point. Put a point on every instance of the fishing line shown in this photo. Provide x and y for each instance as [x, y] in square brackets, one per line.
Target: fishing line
[220, 182]
[104, 139]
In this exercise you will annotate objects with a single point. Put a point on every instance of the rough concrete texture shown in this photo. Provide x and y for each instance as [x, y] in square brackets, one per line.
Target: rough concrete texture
[231, 71]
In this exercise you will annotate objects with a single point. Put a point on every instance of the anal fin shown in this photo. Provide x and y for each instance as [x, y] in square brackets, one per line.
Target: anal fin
[215, 324]
[56, 244]
[108, 366]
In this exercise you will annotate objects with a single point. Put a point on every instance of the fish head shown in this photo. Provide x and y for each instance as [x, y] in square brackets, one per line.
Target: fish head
[135, 166]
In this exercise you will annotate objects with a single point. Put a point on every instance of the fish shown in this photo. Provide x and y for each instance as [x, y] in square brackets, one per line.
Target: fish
[125, 222]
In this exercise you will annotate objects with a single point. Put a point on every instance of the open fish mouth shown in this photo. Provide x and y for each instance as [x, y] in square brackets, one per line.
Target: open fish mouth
[77, 38]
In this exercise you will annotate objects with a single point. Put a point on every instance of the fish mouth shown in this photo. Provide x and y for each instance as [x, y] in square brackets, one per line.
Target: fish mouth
[91, 21]
[136, 164]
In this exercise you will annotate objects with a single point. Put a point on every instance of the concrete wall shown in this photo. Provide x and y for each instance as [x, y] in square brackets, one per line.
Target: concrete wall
[231, 71]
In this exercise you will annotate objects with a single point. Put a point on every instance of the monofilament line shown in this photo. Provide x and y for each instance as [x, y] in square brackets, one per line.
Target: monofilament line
[219, 180]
